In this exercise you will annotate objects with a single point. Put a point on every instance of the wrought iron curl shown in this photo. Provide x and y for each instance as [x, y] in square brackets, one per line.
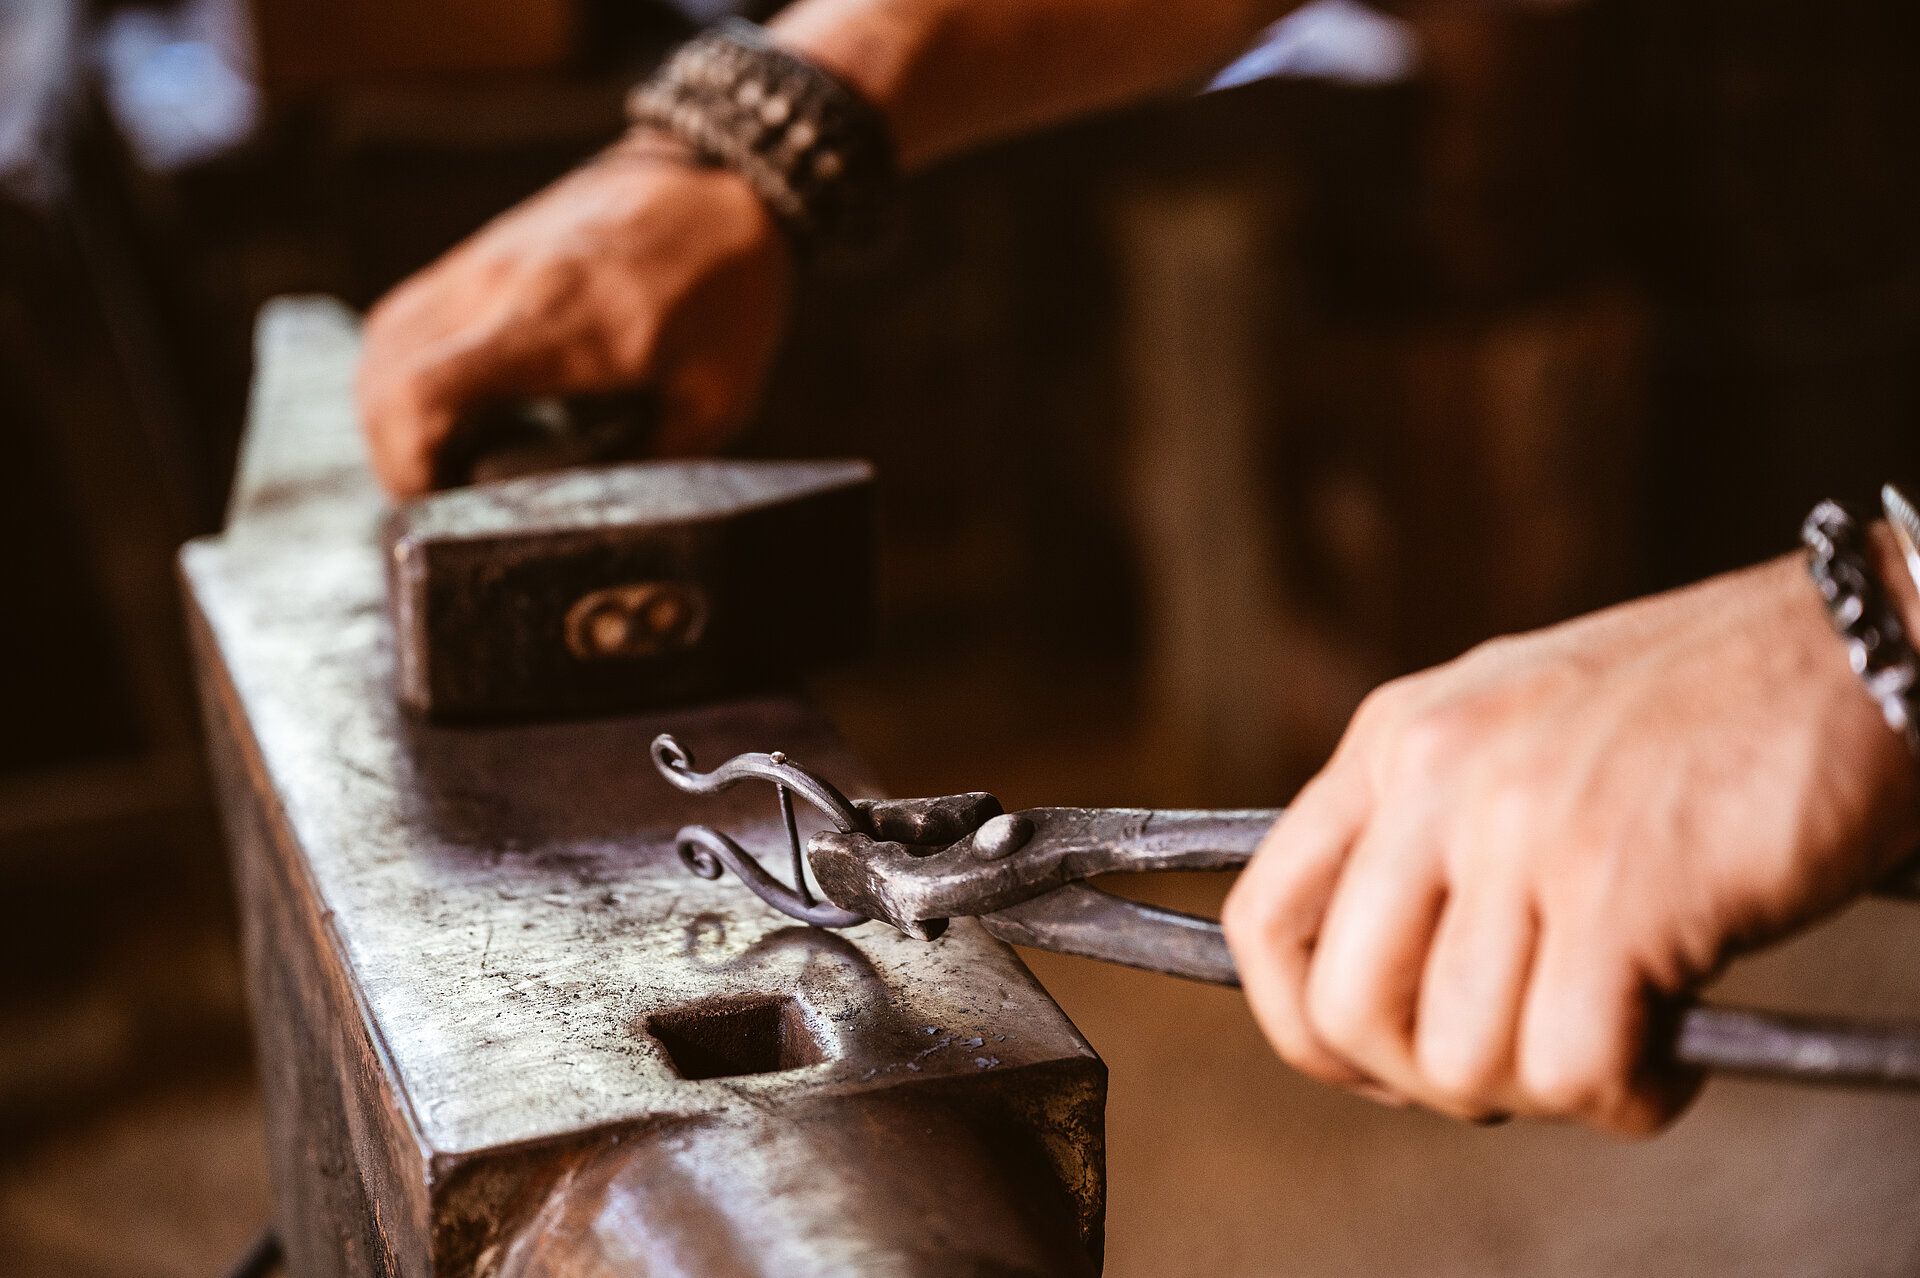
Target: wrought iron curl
[708, 853]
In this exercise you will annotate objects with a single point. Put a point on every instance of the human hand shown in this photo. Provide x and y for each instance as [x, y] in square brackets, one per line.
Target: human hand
[1513, 858]
[640, 268]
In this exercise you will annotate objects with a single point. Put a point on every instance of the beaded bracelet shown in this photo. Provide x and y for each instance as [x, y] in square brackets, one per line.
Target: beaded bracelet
[818, 154]
[1877, 645]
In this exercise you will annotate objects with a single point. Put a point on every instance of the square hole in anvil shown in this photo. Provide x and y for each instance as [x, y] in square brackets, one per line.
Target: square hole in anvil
[725, 1038]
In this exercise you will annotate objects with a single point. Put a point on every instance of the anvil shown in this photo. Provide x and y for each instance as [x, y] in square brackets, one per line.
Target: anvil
[500, 1031]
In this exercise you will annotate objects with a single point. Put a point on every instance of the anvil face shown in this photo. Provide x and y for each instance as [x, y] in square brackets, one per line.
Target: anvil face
[497, 1021]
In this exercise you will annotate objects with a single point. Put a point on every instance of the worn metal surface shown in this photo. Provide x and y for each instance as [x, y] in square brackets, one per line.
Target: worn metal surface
[641, 584]
[502, 1031]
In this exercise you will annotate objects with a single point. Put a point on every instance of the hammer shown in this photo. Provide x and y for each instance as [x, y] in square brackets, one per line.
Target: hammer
[559, 580]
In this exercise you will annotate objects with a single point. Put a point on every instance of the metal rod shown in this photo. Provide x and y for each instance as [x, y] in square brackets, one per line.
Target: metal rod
[793, 843]
[1806, 1049]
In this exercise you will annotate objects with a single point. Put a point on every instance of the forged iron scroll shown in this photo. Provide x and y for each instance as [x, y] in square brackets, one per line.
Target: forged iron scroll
[706, 851]
[675, 762]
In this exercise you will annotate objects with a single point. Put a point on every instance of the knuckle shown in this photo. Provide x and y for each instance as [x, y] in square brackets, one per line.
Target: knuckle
[1321, 1068]
[1385, 704]
[407, 390]
[1427, 747]
[1498, 648]
[1337, 1014]
[407, 416]
[1464, 1075]
[1241, 919]
[1305, 1051]
[1509, 815]
[1571, 1084]
[403, 424]
[1255, 921]
[390, 312]
[563, 277]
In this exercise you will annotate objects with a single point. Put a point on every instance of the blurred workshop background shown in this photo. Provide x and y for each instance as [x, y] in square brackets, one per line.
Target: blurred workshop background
[1413, 330]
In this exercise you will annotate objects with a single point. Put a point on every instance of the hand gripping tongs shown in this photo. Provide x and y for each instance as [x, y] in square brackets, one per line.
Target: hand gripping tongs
[914, 864]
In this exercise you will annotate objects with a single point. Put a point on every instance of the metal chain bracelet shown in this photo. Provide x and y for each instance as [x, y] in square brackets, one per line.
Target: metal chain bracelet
[818, 154]
[1877, 644]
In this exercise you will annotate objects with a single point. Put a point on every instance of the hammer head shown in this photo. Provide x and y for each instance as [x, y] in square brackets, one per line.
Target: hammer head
[622, 586]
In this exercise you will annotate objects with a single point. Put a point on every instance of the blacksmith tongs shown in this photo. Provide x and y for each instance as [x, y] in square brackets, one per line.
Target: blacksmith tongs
[916, 863]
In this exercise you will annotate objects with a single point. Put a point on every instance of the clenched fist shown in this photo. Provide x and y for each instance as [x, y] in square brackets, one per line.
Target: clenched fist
[641, 269]
[1513, 858]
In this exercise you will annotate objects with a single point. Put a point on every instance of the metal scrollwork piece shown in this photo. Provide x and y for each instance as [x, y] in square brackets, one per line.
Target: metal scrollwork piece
[708, 853]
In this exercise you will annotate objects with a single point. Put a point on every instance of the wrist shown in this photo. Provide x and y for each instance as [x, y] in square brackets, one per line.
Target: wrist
[869, 48]
[1874, 605]
[644, 144]
[819, 155]
[1841, 561]
[1901, 792]
[652, 164]
[1890, 565]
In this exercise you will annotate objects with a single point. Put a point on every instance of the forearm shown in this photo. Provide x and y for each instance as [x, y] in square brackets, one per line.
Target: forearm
[952, 73]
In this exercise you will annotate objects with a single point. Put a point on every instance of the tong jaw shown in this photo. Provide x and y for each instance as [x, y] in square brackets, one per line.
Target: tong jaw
[927, 823]
[1015, 857]
[1000, 861]
[913, 827]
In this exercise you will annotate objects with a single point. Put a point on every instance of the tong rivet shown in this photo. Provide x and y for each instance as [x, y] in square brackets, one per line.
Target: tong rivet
[1002, 836]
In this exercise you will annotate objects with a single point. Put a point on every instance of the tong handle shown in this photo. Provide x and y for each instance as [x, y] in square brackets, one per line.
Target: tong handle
[1082, 920]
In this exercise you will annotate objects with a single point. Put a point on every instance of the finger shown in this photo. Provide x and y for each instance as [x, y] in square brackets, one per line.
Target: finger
[417, 379]
[409, 405]
[1583, 1035]
[411, 420]
[404, 427]
[1364, 982]
[1272, 918]
[1471, 994]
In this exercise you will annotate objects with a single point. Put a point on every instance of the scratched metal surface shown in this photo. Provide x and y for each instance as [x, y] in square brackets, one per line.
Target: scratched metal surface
[506, 902]
[613, 496]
